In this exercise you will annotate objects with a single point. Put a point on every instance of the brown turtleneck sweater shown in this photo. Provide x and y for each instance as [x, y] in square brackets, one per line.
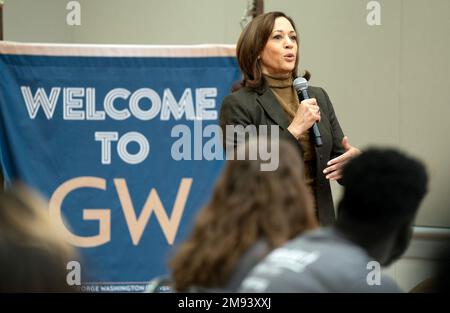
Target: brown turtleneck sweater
[288, 99]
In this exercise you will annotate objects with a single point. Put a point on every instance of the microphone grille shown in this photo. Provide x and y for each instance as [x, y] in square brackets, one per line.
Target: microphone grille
[300, 84]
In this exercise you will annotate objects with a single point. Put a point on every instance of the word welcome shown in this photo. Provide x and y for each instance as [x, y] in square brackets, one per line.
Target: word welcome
[80, 103]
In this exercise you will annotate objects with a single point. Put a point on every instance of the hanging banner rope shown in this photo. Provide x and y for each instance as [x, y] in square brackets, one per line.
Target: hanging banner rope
[253, 9]
[1, 20]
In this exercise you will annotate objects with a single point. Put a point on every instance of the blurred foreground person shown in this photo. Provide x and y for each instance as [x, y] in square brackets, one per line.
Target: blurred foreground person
[250, 213]
[383, 191]
[33, 250]
[442, 280]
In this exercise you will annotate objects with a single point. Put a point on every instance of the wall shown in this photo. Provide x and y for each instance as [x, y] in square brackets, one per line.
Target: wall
[36, 21]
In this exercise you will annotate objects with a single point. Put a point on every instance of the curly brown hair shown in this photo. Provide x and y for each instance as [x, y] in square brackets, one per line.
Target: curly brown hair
[251, 43]
[247, 205]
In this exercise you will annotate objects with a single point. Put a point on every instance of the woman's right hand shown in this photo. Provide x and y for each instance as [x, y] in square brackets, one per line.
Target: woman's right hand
[307, 114]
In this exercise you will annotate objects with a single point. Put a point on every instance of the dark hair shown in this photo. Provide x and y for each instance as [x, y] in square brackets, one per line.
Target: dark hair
[251, 43]
[383, 188]
[247, 205]
[443, 270]
[34, 251]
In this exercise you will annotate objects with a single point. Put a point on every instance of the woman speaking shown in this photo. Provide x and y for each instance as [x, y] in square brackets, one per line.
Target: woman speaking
[267, 53]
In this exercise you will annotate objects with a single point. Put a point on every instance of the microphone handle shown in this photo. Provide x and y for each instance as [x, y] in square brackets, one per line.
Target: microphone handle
[316, 135]
[305, 94]
[314, 129]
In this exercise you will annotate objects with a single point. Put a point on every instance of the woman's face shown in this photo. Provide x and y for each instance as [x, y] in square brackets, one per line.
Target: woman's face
[280, 52]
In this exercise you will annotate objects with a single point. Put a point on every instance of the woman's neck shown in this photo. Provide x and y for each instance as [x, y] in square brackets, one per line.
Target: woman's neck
[278, 82]
[278, 76]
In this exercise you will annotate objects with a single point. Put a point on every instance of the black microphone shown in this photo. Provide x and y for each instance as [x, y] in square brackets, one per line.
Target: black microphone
[301, 86]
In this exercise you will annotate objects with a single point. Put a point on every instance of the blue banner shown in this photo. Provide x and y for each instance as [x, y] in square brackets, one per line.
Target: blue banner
[123, 140]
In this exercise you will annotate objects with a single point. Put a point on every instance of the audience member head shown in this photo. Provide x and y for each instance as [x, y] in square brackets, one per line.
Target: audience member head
[33, 250]
[247, 205]
[383, 191]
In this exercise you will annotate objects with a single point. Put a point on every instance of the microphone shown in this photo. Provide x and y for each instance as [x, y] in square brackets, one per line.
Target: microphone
[301, 86]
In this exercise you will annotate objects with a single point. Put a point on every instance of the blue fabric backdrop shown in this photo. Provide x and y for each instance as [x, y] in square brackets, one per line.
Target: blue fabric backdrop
[49, 150]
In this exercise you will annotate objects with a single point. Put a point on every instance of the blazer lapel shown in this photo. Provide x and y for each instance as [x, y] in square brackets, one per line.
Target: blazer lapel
[270, 104]
[272, 108]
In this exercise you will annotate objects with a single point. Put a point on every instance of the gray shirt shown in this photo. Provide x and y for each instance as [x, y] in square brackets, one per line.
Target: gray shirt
[318, 261]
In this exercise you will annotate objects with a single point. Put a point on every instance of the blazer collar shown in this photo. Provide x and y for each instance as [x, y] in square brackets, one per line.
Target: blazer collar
[270, 104]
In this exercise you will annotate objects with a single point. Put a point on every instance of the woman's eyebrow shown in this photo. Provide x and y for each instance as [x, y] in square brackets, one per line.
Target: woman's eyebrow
[280, 31]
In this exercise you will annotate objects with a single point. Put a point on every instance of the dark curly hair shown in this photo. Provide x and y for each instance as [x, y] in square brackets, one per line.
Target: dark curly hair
[383, 187]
